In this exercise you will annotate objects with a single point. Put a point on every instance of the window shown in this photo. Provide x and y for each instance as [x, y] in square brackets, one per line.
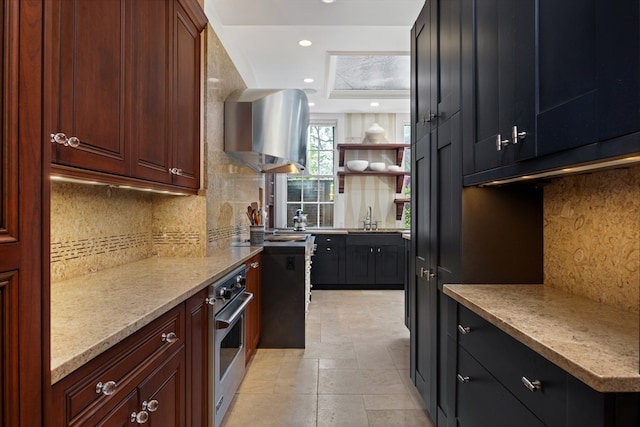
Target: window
[314, 193]
[406, 187]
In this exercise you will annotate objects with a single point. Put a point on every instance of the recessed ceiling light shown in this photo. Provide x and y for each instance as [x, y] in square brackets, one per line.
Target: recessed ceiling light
[375, 104]
[308, 80]
[328, 1]
[311, 104]
[305, 43]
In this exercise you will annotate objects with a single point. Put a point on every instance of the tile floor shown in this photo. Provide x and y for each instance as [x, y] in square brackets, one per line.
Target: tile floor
[354, 371]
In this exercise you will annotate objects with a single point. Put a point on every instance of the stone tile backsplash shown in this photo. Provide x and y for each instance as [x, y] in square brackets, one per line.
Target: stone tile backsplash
[592, 236]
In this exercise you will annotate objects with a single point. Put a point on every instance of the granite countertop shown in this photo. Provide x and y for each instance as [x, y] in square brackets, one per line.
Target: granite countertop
[91, 313]
[595, 343]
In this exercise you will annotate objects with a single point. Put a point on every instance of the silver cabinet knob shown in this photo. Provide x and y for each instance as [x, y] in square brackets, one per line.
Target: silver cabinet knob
[175, 171]
[463, 379]
[170, 337]
[107, 388]
[464, 329]
[501, 143]
[531, 385]
[61, 138]
[517, 136]
[255, 264]
[210, 300]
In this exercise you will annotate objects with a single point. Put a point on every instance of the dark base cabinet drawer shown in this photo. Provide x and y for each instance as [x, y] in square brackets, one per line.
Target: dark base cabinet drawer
[536, 382]
[484, 402]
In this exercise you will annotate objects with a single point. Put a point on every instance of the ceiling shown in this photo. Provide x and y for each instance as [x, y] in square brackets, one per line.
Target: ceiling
[261, 37]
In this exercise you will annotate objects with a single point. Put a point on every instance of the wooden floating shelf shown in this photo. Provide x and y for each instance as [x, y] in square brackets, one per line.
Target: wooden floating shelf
[400, 207]
[399, 149]
[398, 175]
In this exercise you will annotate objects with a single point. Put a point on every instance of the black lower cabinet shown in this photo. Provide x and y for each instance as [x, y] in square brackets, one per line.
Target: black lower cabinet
[491, 374]
[375, 261]
[328, 263]
[484, 402]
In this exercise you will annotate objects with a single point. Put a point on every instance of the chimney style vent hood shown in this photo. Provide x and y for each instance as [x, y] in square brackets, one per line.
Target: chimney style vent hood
[267, 129]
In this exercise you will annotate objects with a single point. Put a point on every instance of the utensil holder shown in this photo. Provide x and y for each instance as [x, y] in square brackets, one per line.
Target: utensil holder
[256, 235]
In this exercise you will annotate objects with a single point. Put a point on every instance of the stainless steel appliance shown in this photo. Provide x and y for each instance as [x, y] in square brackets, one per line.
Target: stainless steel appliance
[299, 221]
[226, 340]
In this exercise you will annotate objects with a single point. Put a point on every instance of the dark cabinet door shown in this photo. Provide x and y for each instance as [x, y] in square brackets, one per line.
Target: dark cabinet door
[166, 385]
[449, 60]
[360, 264]
[589, 72]
[197, 356]
[484, 402]
[504, 107]
[151, 86]
[91, 92]
[328, 266]
[425, 70]
[24, 210]
[423, 326]
[389, 264]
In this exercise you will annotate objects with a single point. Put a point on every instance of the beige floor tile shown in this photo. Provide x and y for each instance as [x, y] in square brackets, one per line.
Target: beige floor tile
[388, 401]
[373, 356]
[360, 381]
[398, 418]
[337, 410]
[300, 376]
[273, 410]
[338, 364]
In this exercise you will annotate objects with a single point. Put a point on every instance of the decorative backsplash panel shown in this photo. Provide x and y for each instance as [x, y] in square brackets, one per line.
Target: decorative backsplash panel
[95, 227]
[592, 236]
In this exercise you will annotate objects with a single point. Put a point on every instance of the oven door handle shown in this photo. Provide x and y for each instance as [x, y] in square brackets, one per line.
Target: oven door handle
[223, 322]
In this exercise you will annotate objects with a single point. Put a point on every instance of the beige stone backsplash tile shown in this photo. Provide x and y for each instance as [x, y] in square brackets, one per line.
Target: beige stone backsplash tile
[592, 236]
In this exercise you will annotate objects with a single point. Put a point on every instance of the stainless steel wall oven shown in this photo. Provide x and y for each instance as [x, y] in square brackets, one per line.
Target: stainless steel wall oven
[226, 341]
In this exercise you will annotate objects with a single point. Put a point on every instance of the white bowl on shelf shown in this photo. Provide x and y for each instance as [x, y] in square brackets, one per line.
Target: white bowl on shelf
[377, 166]
[357, 165]
[394, 168]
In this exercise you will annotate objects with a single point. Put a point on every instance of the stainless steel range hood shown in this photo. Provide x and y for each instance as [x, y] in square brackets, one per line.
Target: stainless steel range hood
[267, 129]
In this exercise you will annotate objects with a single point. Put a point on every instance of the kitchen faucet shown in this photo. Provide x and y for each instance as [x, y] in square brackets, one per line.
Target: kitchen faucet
[368, 221]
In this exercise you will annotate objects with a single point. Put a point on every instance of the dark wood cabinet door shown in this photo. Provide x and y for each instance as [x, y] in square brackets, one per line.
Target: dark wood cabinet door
[119, 416]
[185, 155]
[151, 75]
[197, 355]
[166, 385]
[253, 313]
[24, 211]
[90, 91]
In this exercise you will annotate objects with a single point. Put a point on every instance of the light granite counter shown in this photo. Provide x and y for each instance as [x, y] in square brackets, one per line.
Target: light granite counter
[595, 343]
[91, 313]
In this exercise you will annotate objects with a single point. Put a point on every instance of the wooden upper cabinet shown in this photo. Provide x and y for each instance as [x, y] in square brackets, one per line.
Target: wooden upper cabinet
[89, 83]
[125, 80]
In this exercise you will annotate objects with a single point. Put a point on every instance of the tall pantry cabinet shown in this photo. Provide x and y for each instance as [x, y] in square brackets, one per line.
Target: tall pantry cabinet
[23, 217]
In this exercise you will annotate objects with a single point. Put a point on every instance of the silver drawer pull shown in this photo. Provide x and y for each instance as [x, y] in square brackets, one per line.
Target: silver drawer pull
[170, 337]
[531, 385]
[463, 379]
[107, 388]
[464, 329]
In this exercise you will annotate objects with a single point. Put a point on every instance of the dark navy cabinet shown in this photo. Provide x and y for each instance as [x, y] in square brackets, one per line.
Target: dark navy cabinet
[328, 262]
[375, 261]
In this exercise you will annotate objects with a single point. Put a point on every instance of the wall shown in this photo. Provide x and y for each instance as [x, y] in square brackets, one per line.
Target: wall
[95, 226]
[592, 236]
